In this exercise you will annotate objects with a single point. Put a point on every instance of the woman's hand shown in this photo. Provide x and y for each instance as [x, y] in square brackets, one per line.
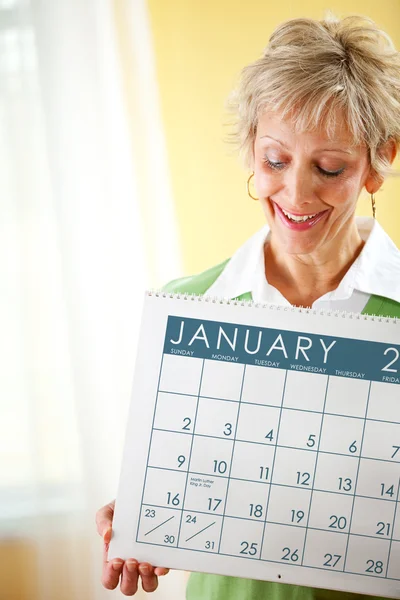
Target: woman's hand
[128, 570]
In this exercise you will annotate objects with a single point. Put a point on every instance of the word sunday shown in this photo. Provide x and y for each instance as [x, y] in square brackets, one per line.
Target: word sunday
[282, 349]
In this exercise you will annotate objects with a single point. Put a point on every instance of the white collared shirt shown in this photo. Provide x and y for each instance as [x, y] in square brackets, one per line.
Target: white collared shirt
[375, 271]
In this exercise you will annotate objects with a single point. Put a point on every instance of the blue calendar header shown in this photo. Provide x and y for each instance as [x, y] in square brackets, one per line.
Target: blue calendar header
[281, 349]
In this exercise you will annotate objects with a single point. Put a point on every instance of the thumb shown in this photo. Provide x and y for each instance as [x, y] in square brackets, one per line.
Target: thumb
[104, 518]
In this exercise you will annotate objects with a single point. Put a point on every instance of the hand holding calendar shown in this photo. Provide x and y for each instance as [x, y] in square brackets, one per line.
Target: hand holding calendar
[266, 444]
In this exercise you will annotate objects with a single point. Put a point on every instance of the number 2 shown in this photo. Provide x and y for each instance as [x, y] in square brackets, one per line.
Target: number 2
[187, 424]
[396, 357]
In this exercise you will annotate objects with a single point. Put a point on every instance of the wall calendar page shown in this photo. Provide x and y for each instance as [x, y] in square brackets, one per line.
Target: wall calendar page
[264, 442]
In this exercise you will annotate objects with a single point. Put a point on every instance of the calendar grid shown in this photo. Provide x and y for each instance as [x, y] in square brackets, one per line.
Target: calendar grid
[315, 470]
[190, 452]
[356, 480]
[217, 520]
[231, 461]
[273, 464]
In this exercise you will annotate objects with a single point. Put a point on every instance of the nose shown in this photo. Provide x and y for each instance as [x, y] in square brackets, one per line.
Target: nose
[298, 187]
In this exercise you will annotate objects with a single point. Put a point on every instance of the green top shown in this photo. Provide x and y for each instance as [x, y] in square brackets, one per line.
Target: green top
[202, 586]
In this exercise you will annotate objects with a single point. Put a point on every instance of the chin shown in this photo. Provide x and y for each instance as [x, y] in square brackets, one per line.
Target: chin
[298, 247]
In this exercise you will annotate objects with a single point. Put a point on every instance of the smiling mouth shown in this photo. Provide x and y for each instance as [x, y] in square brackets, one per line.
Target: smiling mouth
[298, 218]
[299, 222]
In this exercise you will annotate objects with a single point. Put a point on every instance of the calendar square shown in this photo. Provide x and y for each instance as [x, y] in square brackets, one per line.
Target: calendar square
[394, 561]
[159, 525]
[246, 499]
[288, 508]
[200, 532]
[381, 440]
[347, 397]
[372, 517]
[283, 543]
[258, 423]
[205, 494]
[181, 374]
[222, 380]
[294, 468]
[305, 391]
[164, 488]
[241, 538]
[378, 479]
[211, 456]
[175, 412]
[330, 511]
[349, 440]
[336, 474]
[367, 556]
[299, 429]
[170, 450]
[325, 550]
[263, 385]
[216, 418]
[384, 402]
[252, 461]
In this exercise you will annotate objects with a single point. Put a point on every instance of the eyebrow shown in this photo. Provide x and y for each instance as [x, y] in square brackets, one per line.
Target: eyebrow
[320, 149]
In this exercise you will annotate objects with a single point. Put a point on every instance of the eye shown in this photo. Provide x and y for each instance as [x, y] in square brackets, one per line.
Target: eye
[330, 173]
[278, 166]
[274, 165]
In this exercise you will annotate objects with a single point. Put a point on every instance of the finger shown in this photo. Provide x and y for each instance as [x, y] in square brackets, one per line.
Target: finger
[111, 573]
[104, 518]
[161, 571]
[130, 576]
[149, 579]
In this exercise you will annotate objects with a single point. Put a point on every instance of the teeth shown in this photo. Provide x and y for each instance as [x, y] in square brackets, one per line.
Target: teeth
[298, 219]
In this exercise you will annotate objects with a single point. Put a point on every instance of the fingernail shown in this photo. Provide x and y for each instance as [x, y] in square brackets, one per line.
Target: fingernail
[144, 569]
[117, 564]
[131, 565]
[107, 534]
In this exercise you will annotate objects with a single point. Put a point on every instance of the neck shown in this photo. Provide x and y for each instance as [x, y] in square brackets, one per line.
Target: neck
[304, 278]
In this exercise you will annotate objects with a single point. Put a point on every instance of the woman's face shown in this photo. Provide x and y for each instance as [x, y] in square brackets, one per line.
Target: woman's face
[308, 185]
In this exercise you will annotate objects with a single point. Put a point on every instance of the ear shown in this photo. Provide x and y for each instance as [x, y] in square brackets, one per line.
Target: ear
[375, 181]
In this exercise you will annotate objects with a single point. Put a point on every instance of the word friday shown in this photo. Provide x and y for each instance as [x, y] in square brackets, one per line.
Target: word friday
[230, 342]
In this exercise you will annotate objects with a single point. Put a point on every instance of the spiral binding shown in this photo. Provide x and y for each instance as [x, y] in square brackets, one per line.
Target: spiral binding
[273, 307]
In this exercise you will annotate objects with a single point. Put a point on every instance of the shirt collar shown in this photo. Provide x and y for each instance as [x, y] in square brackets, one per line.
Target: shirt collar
[375, 271]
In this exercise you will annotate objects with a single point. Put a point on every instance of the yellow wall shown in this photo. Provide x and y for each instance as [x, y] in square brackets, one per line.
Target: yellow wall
[200, 46]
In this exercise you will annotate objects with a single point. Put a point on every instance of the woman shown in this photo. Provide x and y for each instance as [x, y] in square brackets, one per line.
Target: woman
[318, 121]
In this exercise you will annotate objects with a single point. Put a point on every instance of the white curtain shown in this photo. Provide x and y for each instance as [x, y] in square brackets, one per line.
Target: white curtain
[74, 264]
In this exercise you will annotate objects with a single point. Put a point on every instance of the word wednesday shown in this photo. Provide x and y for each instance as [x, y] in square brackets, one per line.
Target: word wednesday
[252, 344]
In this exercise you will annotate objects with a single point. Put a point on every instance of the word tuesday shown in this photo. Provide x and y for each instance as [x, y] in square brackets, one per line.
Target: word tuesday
[252, 343]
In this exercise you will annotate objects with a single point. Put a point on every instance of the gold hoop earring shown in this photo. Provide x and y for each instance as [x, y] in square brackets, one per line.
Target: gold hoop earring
[373, 203]
[248, 187]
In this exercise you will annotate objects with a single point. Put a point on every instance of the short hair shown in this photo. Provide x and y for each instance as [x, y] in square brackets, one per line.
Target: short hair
[309, 69]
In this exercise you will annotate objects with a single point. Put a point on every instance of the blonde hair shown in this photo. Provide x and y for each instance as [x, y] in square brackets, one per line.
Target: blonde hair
[310, 68]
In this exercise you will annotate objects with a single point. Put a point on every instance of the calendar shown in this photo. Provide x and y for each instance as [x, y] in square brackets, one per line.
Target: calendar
[264, 442]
